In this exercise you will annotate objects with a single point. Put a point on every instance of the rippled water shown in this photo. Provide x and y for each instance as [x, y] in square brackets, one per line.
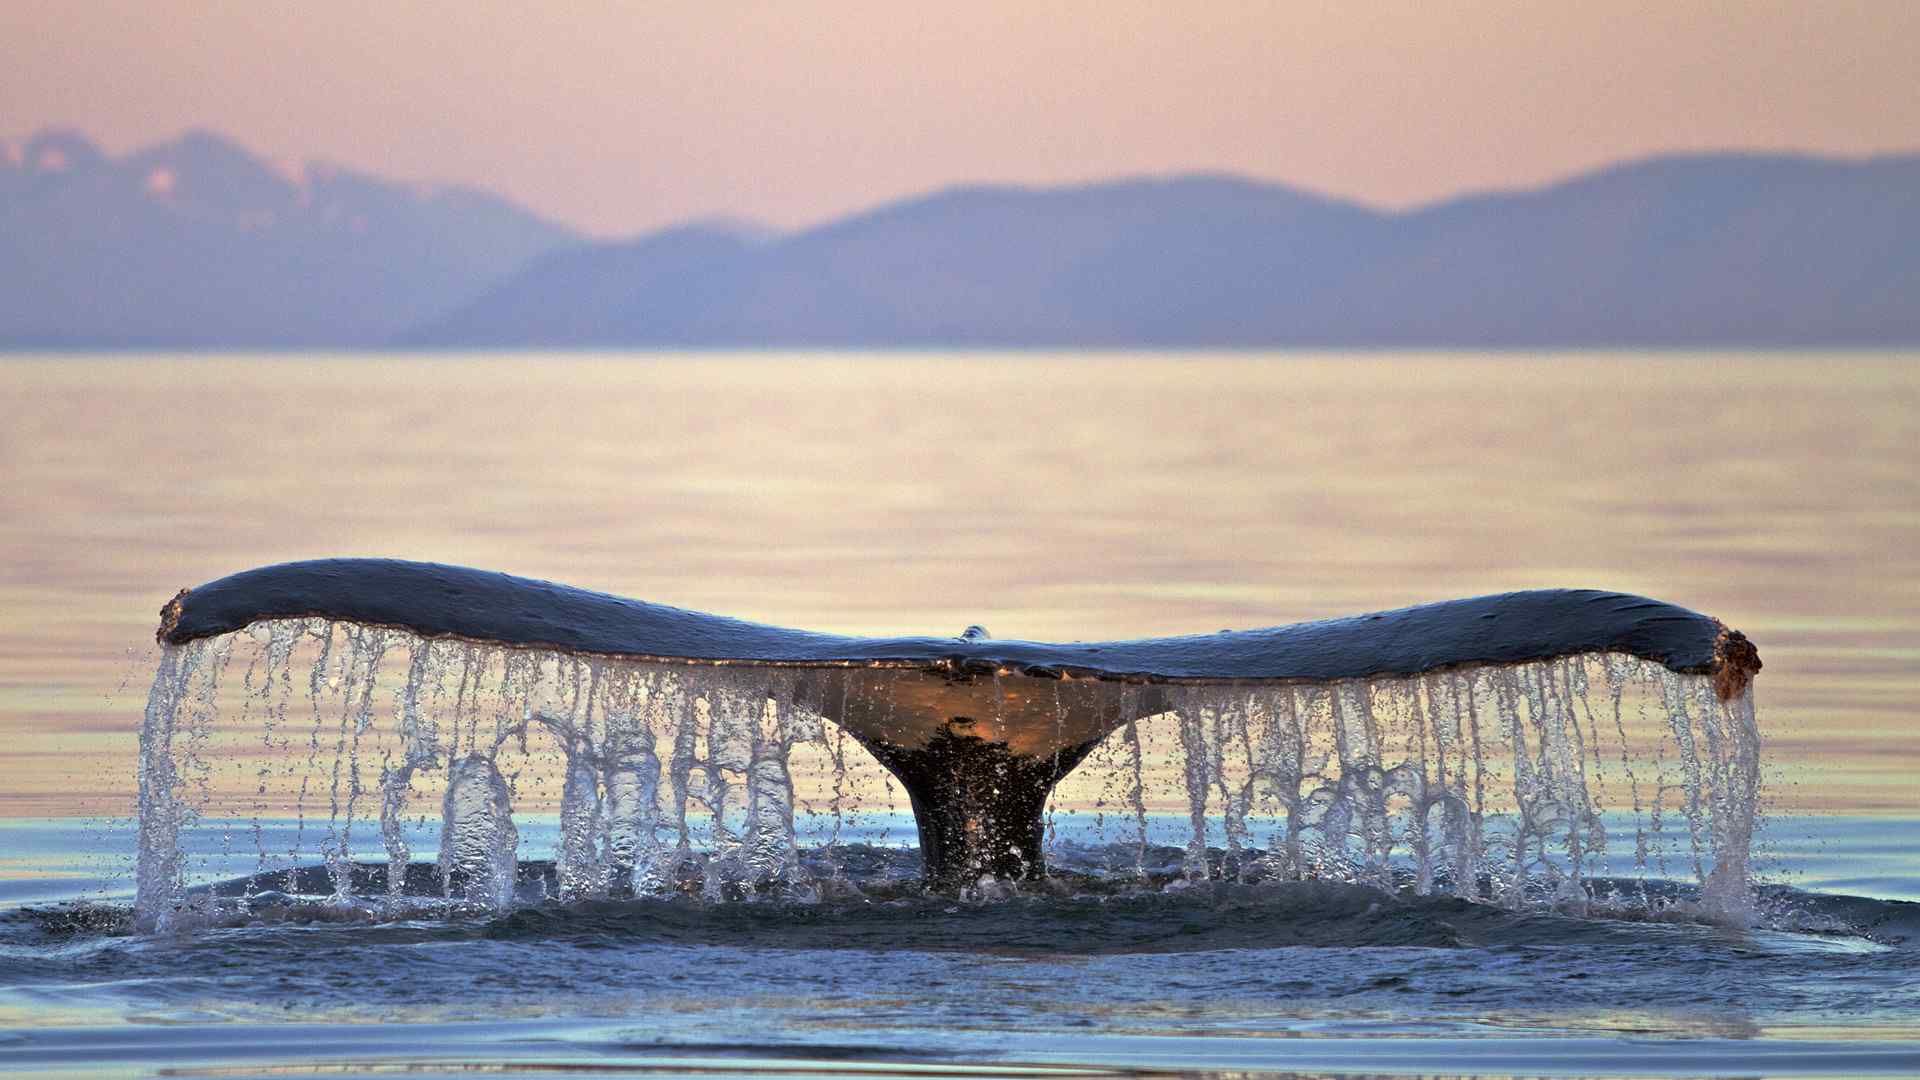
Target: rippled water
[1046, 497]
[1092, 968]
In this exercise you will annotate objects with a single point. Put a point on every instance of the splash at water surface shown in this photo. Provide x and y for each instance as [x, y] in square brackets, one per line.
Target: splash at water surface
[1508, 784]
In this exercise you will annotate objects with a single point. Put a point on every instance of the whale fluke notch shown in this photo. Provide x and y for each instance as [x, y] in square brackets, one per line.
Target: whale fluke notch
[977, 729]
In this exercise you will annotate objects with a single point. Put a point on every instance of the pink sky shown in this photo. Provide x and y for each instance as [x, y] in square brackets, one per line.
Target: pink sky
[622, 117]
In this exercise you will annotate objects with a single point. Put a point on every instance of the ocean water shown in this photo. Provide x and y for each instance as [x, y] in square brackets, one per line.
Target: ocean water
[1047, 497]
[1085, 972]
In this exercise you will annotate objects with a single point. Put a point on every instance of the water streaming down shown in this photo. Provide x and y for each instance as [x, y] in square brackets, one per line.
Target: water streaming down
[1501, 783]
[1496, 784]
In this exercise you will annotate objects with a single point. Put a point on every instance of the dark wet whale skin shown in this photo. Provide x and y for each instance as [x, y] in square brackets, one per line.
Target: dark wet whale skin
[436, 600]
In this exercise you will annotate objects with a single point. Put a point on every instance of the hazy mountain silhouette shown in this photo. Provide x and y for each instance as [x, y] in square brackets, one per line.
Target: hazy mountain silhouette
[1716, 249]
[654, 289]
[197, 243]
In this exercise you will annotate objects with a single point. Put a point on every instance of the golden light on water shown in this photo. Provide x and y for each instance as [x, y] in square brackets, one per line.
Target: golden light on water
[1055, 497]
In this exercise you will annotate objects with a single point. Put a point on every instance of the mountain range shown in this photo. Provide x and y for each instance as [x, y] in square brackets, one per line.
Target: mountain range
[197, 243]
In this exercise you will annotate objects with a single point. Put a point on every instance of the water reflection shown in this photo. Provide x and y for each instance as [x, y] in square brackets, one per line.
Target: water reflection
[1057, 497]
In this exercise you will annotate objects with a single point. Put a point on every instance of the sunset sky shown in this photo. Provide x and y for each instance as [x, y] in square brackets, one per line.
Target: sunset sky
[622, 117]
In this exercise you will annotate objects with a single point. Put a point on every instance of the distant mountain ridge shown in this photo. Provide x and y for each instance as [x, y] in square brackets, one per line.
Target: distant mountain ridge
[1726, 249]
[198, 243]
[1702, 250]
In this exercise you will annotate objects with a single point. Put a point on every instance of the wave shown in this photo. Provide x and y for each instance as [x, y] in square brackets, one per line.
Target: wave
[878, 903]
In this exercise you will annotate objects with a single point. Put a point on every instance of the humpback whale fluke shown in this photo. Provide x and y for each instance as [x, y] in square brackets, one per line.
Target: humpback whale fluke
[977, 729]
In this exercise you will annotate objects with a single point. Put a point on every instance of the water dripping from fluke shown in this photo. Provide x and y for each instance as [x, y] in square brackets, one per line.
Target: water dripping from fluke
[1487, 748]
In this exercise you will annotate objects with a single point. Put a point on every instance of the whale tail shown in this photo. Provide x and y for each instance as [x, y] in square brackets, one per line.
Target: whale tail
[977, 730]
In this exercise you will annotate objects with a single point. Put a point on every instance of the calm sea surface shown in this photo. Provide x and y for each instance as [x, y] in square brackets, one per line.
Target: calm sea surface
[1049, 496]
